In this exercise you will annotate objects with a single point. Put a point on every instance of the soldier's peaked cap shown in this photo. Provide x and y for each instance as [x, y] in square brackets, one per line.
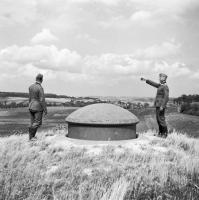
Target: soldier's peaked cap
[164, 75]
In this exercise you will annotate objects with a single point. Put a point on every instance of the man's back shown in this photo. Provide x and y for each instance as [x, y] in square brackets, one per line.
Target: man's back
[36, 97]
[37, 106]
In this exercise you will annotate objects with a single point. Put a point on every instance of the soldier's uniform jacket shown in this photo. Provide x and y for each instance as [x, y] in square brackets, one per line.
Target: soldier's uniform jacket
[162, 96]
[36, 97]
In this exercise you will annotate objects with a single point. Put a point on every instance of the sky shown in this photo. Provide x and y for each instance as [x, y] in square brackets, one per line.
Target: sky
[99, 47]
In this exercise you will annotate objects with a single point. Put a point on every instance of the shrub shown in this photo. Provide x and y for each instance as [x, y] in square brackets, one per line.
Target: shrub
[190, 108]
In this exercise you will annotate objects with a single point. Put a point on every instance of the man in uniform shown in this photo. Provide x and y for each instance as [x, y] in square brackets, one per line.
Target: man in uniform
[37, 105]
[162, 97]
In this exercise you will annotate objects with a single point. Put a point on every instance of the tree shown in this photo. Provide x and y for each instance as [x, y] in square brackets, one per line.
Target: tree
[146, 105]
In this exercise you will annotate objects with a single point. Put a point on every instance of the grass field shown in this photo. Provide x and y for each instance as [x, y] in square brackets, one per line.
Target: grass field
[58, 168]
[16, 121]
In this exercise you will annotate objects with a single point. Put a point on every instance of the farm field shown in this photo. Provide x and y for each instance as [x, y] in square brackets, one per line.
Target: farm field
[16, 121]
[18, 100]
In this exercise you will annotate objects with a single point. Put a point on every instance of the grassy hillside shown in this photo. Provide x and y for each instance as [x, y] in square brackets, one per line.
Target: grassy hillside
[59, 168]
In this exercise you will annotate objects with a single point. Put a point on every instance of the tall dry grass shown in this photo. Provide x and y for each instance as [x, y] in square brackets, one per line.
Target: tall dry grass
[51, 168]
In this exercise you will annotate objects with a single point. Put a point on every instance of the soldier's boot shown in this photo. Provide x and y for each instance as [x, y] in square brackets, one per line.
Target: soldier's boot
[31, 133]
[34, 132]
[165, 132]
[160, 131]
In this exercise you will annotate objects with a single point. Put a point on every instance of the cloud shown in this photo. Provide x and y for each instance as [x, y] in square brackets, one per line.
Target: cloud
[163, 50]
[17, 12]
[128, 38]
[40, 57]
[150, 13]
[74, 15]
[175, 69]
[44, 37]
[106, 2]
[169, 6]
[141, 15]
[87, 37]
[195, 75]
[50, 11]
[126, 66]
[29, 70]
[104, 68]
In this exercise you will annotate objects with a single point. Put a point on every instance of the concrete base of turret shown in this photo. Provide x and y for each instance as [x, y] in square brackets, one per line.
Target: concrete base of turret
[103, 133]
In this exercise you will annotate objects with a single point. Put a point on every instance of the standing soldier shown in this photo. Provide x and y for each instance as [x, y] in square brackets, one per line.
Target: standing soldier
[161, 100]
[37, 105]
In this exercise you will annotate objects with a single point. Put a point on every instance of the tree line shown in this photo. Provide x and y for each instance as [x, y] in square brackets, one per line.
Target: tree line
[26, 95]
[188, 104]
[186, 99]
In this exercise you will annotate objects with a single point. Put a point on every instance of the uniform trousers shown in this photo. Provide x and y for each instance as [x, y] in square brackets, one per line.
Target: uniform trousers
[35, 122]
[160, 116]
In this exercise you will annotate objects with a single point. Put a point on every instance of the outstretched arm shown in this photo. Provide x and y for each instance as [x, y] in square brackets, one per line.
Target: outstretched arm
[154, 84]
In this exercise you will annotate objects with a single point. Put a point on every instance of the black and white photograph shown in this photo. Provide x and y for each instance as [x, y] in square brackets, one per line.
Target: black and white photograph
[99, 99]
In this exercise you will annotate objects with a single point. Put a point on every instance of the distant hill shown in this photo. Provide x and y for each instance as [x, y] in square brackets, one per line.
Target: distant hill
[20, 99]
[22, 94]
[47, 95]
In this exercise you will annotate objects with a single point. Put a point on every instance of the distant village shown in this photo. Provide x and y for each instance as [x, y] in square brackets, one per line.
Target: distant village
[15, 100]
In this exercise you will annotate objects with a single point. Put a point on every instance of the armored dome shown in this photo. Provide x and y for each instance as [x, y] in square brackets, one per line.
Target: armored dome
[102, 121]
[102, 114]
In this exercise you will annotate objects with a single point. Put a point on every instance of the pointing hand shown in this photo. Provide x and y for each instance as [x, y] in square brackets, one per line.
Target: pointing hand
[143, 79]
